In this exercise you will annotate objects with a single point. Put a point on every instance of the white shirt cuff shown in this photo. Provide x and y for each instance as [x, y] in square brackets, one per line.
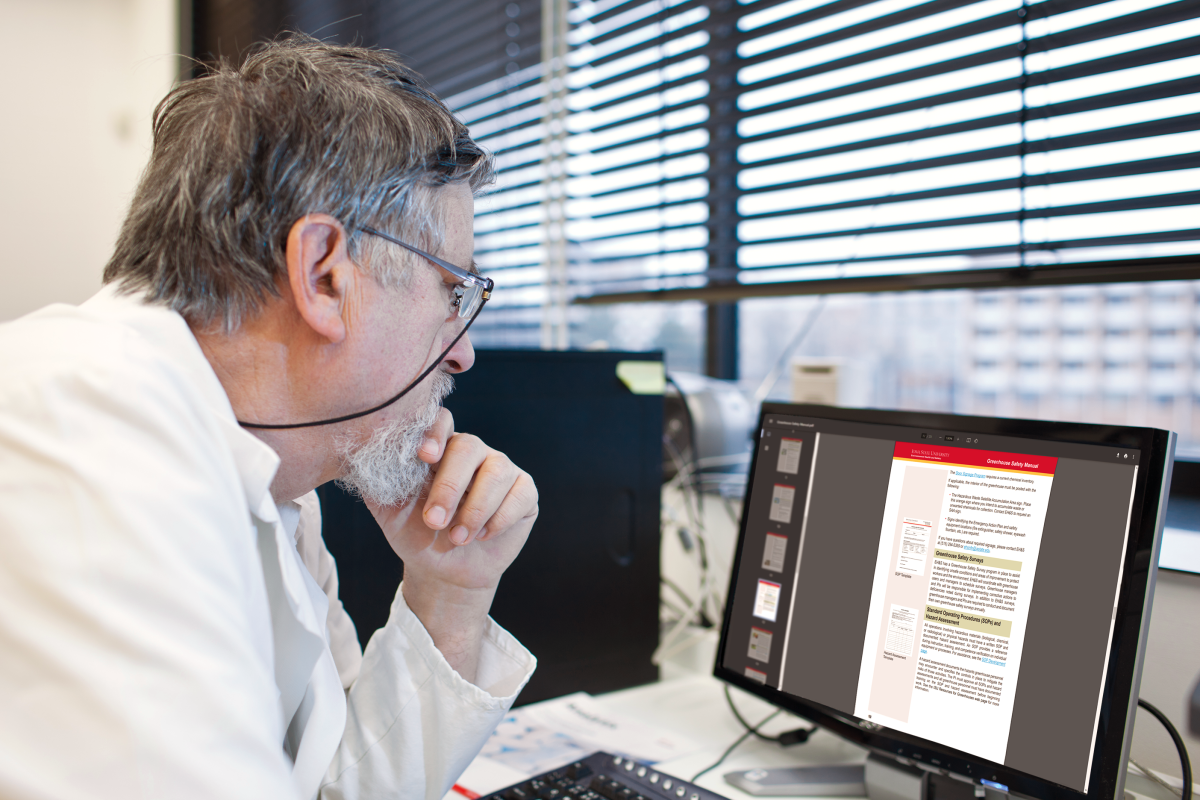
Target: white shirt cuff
[505, 666]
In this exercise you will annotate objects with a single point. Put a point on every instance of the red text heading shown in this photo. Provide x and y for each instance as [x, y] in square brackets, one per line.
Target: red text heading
[984, 459]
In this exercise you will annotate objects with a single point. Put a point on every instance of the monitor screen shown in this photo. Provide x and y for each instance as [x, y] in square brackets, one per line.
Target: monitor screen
[963, 594]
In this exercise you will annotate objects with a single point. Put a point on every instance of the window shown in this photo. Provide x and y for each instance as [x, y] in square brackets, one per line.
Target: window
[841, 139]
[721, 151]
[728, 148]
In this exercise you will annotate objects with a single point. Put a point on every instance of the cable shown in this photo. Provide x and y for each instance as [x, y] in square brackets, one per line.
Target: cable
[261, 426]
[687, 601]
[1184, 761]
[785, 739]
[733, 746]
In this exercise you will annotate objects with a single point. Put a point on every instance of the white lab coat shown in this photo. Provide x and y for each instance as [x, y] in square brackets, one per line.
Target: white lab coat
[166, 631]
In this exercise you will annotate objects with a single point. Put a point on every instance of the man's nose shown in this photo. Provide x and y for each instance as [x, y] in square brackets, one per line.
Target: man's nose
[461, 358]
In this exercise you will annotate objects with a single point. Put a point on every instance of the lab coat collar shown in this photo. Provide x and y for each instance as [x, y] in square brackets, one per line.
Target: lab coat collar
[256, 462]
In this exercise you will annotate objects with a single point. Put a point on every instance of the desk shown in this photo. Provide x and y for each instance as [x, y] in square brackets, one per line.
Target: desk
[693, 707]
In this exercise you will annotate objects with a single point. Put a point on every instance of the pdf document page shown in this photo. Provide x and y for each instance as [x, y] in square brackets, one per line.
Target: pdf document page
[954, 573]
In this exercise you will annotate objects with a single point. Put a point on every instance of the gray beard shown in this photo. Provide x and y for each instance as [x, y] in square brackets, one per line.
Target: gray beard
[385, 469]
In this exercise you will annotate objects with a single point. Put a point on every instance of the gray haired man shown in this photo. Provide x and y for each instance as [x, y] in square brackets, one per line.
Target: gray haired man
[285, 306]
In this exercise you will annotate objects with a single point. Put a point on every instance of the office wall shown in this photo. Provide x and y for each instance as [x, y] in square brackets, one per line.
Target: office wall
[81, 79]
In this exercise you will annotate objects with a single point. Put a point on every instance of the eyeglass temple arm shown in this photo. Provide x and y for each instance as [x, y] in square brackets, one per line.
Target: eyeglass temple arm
[456, 271]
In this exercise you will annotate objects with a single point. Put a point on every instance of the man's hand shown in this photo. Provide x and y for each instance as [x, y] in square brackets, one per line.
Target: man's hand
[458, 541]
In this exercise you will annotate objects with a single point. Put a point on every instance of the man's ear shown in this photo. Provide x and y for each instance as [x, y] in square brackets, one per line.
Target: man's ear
[320, 273]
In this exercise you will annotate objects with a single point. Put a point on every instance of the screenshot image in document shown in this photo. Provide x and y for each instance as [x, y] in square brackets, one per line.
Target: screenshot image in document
[953, 576]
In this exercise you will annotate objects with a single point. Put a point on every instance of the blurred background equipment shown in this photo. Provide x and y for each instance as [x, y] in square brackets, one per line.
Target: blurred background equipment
[583, 594]
[816, 381]
[707, 427]
[707, 424]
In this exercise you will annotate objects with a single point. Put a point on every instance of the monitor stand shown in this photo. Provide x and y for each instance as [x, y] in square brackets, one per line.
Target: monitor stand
[878, 779]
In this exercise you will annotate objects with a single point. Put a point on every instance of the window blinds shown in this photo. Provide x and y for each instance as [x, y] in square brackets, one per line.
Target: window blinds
[630, 143]
[783, 146]
[897, 136]
[766, 142]
[484, 58]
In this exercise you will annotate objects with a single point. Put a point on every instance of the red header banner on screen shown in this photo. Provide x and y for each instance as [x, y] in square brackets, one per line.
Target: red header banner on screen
[978, 459]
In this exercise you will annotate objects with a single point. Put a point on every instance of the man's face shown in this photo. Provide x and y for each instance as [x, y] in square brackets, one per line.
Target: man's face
[407, 329]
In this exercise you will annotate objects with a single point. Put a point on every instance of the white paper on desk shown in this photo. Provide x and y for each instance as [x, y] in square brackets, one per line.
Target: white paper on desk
[542, 736]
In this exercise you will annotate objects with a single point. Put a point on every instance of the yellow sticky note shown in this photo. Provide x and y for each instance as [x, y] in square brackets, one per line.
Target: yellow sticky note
[643, 377]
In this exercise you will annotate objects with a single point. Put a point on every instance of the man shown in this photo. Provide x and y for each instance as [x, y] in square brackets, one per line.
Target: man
[285, 306]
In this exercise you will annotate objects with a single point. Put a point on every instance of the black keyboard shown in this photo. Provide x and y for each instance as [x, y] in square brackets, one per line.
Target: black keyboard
[603, 776]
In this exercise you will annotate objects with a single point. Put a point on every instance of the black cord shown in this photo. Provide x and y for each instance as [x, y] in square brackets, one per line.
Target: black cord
[1184, 761]
[733, 746]
[785, 739]
[347, 417]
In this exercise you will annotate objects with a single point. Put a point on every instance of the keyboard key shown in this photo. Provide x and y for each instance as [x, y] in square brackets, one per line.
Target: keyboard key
[578, 770]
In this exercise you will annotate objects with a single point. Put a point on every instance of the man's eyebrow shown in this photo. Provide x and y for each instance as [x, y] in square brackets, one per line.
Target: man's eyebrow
[474, 268]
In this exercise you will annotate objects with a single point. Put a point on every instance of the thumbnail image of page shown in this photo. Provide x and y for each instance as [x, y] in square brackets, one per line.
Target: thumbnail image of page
[774, 552]
[902, 624]
[756, 675]
[789, 455]
[914, 538]
[766, 600]
[760, 645]
[782, 499]
[954, 573]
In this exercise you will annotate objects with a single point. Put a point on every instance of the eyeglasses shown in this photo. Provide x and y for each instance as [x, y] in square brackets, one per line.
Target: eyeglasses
[469, 296]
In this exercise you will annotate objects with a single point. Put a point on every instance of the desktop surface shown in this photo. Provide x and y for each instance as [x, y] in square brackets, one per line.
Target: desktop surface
[690, 706]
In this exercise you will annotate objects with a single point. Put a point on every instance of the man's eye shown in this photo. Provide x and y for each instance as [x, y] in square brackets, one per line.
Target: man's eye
[457, 291]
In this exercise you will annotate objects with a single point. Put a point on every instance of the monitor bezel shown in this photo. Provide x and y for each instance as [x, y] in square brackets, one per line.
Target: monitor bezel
[1156, 448]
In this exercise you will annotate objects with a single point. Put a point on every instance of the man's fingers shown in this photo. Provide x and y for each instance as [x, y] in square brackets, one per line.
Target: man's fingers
[436, 437]
[493, 482]
[521, 503]
[463, 455]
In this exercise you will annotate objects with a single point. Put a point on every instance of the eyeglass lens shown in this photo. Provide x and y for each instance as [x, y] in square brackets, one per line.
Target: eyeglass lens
[469, 302]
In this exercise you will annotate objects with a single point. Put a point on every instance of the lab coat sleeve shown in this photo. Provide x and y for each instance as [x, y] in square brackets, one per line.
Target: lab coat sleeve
[130, 662]
[413, 723]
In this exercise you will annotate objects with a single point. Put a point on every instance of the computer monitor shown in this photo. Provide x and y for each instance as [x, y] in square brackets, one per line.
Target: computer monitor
[964, 597]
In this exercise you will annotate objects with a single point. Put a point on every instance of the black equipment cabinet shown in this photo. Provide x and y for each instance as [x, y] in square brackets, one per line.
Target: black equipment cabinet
[583, 594]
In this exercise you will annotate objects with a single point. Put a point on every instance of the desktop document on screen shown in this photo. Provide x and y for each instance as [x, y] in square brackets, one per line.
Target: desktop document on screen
[957, 555]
